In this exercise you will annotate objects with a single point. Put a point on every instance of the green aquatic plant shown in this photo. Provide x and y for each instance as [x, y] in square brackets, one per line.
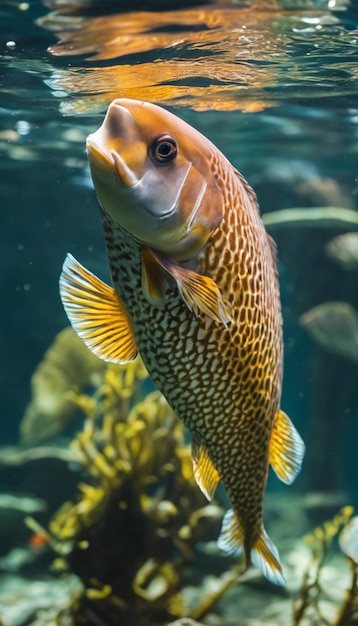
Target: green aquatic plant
[334, 326]
[132, 532]
[310, 596]
[66, 365]
[348, 542]
[312, 217]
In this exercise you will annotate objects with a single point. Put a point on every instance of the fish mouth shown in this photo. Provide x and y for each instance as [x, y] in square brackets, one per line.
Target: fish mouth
[98, 150]
[117, 121]
[111, 159]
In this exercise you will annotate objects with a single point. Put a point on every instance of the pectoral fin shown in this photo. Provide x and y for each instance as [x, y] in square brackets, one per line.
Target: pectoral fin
[205, 472]
[286, 450]
[200, 293]
[154, 279]
[96, 313]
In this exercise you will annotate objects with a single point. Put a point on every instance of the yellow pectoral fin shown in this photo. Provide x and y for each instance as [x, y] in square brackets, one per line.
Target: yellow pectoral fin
[201, 292]
[205, 472]
[154, 280]
[198, 292]
[96, 313]
[286, 449]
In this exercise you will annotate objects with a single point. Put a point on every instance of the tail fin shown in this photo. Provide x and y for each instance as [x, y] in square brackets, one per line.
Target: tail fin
[264, 554]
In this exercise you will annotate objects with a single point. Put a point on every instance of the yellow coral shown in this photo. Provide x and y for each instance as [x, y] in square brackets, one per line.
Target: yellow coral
[140, 514]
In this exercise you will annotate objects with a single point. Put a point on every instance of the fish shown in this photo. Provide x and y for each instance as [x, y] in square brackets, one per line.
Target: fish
[196, 293]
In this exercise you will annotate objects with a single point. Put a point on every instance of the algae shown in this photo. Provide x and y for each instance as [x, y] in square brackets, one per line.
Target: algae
[344, 250]
[138, 536]
[334, 326]
[310, 601]
[67, 364]
[133, 531]
[313, 217]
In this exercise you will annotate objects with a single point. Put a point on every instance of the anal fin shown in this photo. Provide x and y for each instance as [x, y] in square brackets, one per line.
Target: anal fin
[96, 313]
[205, 472]
[286, 449]
[232, 534]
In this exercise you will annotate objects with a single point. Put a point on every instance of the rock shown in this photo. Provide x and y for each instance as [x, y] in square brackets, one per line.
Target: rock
[36, 602]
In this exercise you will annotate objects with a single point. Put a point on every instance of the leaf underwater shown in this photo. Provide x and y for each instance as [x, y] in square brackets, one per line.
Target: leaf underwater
[313, 217]
[66, 364]
[344, 250]
[334, 326]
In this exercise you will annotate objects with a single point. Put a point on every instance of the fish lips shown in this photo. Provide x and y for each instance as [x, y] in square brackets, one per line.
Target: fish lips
[101, 157]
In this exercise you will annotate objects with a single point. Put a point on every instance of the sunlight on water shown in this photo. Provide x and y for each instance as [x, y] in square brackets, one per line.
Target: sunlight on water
[216, 57]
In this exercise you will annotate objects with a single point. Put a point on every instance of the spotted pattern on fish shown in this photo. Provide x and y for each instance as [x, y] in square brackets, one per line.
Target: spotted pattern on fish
[228, 397]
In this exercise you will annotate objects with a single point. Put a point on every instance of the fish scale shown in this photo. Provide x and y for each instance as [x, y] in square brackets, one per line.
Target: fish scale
[205, 315]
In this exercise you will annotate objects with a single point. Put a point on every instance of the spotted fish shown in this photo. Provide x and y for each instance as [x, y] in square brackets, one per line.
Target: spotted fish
[196, 293]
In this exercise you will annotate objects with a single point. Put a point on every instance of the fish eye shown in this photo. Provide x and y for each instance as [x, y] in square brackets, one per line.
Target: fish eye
[163, 149]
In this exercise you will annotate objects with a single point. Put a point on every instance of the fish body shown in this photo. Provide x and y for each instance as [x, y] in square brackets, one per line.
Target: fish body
[196, 293]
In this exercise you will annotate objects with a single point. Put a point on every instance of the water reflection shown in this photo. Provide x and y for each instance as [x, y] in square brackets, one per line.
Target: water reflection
[218, 56]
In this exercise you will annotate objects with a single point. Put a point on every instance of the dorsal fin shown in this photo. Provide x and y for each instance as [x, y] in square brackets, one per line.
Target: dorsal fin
[96, 313]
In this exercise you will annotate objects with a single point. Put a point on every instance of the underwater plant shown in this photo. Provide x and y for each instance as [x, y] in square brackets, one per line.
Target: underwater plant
[344, 250]
[67, 364]
[310, 597]
[132, 531]
[334, 326]
[312, 217]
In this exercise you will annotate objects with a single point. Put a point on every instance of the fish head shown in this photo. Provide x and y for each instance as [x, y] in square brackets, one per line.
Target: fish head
[153, 175]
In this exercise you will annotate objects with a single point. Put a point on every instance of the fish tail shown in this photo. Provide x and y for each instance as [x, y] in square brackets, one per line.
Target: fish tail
[262, 553]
